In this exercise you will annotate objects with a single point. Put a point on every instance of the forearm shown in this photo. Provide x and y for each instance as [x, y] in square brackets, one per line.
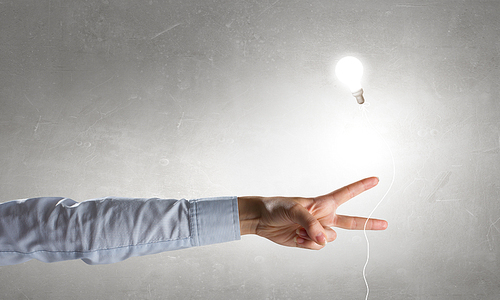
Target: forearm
[112, 229]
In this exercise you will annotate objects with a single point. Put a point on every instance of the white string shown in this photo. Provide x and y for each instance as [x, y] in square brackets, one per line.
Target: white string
[364, 110]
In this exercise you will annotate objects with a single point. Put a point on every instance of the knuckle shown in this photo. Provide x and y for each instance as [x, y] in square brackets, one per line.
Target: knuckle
[350, 192]
[353, 224]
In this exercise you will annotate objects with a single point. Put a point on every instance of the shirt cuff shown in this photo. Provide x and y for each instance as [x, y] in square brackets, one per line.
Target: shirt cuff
[214, 220]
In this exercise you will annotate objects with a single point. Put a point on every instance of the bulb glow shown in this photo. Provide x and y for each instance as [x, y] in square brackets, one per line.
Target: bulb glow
[349, 71]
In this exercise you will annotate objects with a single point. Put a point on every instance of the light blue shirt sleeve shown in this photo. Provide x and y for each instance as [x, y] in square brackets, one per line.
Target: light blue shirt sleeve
[109, 230]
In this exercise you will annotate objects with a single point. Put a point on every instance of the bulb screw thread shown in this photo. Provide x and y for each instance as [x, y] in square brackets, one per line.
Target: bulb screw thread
[359, 96]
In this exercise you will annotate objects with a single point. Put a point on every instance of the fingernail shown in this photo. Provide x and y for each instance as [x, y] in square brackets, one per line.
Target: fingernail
[321, 239]
[301, 232]
[298, 240]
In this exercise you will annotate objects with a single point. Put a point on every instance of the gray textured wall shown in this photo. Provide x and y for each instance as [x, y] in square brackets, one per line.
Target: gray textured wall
[190, 99]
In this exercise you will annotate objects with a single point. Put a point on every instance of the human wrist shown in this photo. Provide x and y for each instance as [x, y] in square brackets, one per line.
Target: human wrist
[249, 211]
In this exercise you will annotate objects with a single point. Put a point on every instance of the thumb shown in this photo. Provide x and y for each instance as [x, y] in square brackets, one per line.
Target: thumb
[314, 229]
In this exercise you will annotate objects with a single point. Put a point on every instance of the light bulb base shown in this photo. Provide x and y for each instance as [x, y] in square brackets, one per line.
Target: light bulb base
[359, 96]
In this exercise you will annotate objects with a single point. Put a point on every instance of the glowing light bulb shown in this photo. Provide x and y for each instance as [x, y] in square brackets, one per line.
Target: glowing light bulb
[349, 71]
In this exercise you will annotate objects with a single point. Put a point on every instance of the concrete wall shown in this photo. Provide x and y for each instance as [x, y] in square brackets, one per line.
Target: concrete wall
[187, 99]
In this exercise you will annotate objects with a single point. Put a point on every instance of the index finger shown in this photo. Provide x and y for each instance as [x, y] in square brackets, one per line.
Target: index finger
[350, 191]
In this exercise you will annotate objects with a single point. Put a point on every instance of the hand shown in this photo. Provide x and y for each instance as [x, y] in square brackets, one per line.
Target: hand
[304, 222]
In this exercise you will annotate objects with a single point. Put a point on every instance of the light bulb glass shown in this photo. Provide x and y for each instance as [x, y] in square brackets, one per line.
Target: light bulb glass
[349, 71]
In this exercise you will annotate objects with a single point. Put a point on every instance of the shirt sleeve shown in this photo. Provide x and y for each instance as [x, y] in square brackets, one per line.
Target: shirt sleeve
[109, 230]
